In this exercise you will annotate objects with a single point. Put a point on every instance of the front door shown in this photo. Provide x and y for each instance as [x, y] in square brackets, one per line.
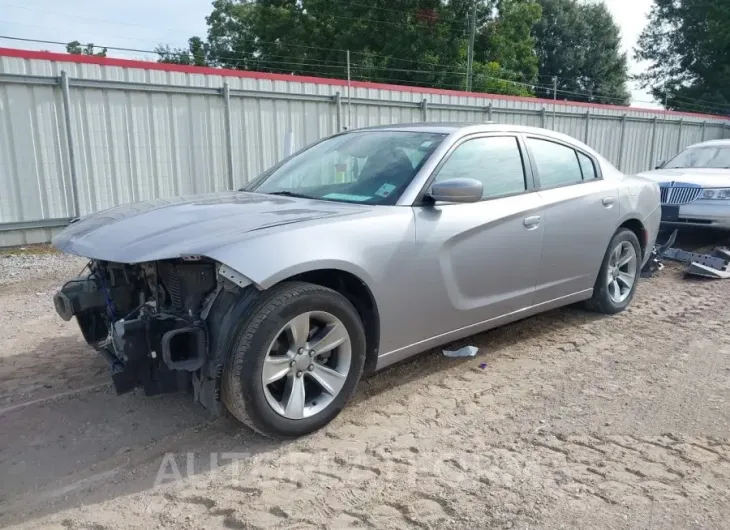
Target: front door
[581, 213]
[483, 257]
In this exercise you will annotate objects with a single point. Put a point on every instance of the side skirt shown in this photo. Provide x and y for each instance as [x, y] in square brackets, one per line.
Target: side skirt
[400, 354]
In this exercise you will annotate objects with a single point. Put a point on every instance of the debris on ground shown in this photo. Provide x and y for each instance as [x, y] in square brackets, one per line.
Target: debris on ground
[713, 265]
[466, 351]
[657, 253]
[652, 266]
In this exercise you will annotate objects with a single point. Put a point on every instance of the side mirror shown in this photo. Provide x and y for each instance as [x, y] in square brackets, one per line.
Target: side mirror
[457, 190]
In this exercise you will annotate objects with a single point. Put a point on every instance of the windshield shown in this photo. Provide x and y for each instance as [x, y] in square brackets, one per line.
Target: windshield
[717, 156]
[369, 167]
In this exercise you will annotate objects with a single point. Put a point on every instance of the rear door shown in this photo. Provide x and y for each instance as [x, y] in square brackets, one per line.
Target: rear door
[581, 213]
[481, 259]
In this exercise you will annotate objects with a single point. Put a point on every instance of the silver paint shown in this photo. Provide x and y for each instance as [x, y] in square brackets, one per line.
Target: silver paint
[437, 273]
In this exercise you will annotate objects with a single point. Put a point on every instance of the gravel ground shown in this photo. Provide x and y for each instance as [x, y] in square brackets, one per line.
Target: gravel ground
[28, 265]
[576, 421]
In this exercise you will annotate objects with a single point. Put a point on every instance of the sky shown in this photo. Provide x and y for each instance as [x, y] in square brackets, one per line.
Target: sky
[144, 24]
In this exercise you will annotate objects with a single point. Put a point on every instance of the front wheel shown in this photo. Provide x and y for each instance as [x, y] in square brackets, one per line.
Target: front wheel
[296, 361]
[619, 274]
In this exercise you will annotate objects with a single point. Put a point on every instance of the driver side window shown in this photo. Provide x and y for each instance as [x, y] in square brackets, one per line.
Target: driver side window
[495, 161]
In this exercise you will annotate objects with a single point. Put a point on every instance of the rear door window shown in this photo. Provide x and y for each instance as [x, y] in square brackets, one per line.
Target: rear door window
[557, 164]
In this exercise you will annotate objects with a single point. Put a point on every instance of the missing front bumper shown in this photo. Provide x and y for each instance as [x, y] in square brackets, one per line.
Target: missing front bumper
[156, 353]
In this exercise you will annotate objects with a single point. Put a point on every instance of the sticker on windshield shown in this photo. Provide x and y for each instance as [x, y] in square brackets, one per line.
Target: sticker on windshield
[385, 190]
[346, 197]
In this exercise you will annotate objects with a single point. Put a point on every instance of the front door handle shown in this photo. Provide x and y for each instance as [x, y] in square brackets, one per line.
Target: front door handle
[532, 222]
[608, 201]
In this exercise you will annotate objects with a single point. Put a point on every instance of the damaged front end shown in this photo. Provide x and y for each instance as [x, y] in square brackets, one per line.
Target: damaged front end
[148, 321]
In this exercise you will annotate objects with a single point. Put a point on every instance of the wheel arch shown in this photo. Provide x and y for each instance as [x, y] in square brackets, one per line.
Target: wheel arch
[359, 294]
[343, 275]
[638, 228]
[233, 306]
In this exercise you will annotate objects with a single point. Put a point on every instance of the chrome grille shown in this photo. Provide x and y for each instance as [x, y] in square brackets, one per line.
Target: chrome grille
[679, 194]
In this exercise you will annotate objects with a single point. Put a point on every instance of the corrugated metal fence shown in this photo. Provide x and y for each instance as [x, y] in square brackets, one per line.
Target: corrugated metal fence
[79, 134]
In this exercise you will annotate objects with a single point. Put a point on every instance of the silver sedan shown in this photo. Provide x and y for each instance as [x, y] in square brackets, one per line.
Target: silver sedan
[355, 253]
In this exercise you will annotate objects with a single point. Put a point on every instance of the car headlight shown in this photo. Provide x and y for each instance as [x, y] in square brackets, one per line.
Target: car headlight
[723, 193]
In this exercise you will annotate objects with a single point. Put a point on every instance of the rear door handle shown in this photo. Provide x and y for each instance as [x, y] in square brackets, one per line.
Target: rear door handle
[532, 222]
[608, 201]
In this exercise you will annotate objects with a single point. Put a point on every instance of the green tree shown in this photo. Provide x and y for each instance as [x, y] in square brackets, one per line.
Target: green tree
[76, 48]
[421, 42]
[580, 44]
[505, 57]
[687, 44]
[196, 54]
[409, 40]
[491, 78]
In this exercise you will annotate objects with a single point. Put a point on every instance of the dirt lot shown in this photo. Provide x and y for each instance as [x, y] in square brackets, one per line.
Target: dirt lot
[577, 421]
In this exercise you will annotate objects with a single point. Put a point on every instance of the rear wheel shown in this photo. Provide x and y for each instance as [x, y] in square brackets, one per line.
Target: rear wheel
[296, 362]
[619, 274]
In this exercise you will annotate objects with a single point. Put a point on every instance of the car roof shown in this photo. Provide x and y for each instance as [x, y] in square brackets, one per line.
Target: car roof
[464, 128]
[717, 143]
[431, 127]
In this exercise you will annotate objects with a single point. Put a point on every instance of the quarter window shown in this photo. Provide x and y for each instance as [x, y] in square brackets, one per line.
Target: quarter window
[495, 161]
[587, 167]
[557, 165]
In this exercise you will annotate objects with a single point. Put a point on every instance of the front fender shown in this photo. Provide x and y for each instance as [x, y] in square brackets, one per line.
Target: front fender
[368, 248]
[267, 281]
[268, 260]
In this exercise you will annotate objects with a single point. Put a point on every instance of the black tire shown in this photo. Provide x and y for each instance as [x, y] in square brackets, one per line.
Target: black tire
[601, 301]
[241, 385]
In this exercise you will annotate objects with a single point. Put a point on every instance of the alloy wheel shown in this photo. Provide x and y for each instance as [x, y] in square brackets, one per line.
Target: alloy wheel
[622, 269]
[306, 365]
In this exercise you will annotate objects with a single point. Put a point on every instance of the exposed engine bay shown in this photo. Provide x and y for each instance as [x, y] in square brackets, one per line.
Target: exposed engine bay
[148, 321]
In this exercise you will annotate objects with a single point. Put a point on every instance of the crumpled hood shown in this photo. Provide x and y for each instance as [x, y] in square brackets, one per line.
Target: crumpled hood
[192, 225]
[705, 177]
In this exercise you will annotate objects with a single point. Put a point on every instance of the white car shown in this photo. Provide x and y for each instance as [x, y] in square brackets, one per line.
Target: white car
[695, 186]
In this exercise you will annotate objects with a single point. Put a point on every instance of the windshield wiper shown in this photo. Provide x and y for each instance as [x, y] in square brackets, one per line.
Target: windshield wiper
[290, 194]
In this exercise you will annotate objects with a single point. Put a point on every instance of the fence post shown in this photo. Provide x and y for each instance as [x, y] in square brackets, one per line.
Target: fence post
[588, 123]
[66, 93]
[229, 133]
[621, 143]
[337, 99]
[489, 111]
[652, 159]
[542, 117]
[679, 135]
[424, 110]
[704, 128]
